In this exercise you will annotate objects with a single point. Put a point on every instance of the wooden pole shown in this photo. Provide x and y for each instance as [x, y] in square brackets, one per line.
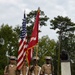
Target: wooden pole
[59, 50]
[37, 50]
[38, 37]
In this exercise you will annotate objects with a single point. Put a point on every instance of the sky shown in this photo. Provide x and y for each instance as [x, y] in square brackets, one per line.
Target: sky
[11, 12]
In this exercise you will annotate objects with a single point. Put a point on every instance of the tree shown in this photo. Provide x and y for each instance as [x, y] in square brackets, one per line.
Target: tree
[11, 45]
[31, 18]
[12, 35]
[65, 28]
[46, 48]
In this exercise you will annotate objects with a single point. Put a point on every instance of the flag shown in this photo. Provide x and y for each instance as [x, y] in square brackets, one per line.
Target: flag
[22, 45]
[29, 55]
[34, 38]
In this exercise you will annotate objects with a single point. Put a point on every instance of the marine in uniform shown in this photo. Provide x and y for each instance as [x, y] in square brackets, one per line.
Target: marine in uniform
[35, 68]
[47, 68]
[24, 70]
[11, 69]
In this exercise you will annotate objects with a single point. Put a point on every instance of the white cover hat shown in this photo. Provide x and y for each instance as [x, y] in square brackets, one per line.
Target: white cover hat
[37, 58]
[48, 57]
[12, 57]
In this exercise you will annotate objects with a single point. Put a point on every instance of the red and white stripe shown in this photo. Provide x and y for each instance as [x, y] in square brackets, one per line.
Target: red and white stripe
[22, 52]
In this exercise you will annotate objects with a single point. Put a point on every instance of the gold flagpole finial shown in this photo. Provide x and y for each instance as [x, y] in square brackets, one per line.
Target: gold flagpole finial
[38, 9]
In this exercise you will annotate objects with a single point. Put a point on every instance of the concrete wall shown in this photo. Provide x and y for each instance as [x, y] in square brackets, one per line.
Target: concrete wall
[65, 68]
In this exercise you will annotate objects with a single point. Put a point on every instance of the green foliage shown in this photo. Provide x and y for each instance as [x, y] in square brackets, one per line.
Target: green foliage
[12, 35]
[30, 19]
[10, 45]
[32, 15]
[9, 36]
[73, 68]
[46, 48]
[65, 28]
[55, 23]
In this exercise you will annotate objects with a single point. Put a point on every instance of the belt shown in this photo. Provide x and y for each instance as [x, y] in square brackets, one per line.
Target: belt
[47, 74]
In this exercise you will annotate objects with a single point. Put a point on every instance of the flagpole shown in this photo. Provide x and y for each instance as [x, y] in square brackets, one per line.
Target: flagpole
[38, 37]
[36, 50]
[34, 37]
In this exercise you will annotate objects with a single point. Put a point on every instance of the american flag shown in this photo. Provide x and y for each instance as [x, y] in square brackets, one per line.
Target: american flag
[22, 45]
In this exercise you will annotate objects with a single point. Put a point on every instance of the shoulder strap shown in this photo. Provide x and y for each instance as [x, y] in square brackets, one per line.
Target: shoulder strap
[7, 68]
